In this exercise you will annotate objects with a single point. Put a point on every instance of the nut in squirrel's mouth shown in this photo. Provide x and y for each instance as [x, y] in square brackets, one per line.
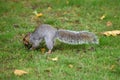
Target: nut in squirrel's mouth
[26, 42]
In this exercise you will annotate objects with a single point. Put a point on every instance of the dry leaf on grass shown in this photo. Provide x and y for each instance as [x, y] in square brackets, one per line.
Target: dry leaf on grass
[43, 50]
[49, 8]
[20, 72]
[38, 14]
[103, 16]
[112, 67]
[53, 59]
[111, 33]
[70, 66]
[109, 23]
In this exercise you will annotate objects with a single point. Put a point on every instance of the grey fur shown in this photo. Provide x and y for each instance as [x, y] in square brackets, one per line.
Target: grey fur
[49, 34]
[77, 37]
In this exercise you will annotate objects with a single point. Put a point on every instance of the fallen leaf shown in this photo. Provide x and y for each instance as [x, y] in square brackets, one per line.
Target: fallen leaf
[49, 8]
[20, 72]
[37, 14]
[53, 59]
[109, 23]
[70, 66]
[111, 33]
[112, 67]
[43, 50]
[102, 17]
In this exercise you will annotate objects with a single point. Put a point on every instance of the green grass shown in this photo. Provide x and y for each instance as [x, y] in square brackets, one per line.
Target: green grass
[90, 62]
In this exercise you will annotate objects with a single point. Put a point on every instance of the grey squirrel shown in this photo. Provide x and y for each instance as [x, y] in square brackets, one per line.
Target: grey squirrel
[50, 34]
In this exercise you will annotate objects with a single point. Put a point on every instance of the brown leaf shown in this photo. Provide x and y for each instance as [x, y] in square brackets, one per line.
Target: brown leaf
[109, 23]
[20, 72]
[43, 50]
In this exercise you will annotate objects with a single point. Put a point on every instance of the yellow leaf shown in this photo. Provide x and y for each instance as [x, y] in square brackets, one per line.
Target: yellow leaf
[20, 72]
[112, 33]
[70, 66]
[102, 17]
[53, 59]
[39, 14]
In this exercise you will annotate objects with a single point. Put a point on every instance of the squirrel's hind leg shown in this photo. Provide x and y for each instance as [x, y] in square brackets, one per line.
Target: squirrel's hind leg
[49, 44]
[49, 51]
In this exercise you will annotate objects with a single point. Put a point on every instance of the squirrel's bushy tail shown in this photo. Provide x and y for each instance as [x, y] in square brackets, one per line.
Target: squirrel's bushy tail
[77, 37]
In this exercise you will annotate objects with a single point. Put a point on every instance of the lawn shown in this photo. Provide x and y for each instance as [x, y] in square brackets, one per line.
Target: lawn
[73, 62]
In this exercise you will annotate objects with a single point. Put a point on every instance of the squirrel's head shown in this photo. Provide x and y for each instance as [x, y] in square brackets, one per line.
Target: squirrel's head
[26, 40]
